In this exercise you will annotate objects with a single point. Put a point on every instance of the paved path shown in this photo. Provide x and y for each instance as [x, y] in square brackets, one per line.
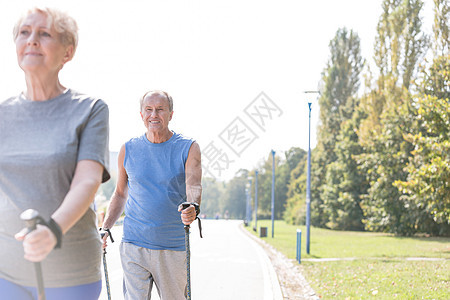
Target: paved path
[225, 264]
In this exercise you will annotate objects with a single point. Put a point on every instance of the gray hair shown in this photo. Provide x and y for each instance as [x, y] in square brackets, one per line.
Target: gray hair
[160, 92]
[64, 24]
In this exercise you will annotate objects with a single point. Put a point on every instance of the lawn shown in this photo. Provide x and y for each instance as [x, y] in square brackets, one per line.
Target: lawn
[383, 266]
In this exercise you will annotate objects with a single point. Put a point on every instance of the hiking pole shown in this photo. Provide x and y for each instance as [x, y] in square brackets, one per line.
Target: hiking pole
[188, 260]
[31, 217]
[105, 266]
[185, 205]
[186, 240]
[188, 253]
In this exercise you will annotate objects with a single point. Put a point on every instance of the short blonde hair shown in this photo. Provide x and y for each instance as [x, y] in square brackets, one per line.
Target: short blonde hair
[64, 24]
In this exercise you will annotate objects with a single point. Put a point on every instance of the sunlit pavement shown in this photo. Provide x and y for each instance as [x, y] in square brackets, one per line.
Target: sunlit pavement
[225, 264]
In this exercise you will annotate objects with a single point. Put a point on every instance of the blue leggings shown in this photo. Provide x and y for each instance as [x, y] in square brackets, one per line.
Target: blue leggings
[90, 291]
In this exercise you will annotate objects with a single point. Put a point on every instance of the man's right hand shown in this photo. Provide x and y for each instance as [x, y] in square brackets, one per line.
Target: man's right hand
[104, 234]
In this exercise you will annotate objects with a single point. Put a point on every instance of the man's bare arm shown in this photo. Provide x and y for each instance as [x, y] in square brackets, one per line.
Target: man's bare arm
[193, 183]
[119, 197]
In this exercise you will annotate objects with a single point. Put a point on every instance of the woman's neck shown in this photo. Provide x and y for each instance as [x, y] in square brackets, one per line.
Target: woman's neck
[42, 89]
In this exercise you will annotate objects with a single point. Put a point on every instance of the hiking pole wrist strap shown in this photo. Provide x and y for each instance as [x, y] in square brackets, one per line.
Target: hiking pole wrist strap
[54, 228]
[200, 227]
[109, 233]
[197, 212]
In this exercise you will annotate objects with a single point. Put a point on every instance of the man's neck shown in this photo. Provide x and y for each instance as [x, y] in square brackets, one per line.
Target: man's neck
[159, 137]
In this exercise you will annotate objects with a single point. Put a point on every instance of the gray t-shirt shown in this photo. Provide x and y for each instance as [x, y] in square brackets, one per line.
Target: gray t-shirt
[40, 145]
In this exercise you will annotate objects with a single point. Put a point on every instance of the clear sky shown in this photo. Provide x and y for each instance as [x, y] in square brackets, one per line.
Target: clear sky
[237, 70]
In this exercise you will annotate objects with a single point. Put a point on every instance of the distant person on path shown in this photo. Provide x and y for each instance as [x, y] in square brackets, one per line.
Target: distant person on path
[53, 157]
[156, 173]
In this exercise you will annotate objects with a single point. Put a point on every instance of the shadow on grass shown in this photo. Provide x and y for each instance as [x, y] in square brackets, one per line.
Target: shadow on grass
[441, 240]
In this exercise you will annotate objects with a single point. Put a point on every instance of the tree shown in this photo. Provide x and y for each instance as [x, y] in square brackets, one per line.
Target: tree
[283, 169]
[383, 206]
[294, 156]
[400, 42]
[345, 182]
[296, 196]
[441, 28]
[337, 104]
[212, 197]
[427, 187]
[235, 198]
[400, 46]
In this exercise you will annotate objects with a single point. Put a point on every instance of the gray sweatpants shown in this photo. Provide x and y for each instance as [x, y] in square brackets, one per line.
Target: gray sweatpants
[142, 267]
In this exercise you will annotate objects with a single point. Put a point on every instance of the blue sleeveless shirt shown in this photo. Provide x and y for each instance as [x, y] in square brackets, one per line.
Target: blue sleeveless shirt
[156, 186]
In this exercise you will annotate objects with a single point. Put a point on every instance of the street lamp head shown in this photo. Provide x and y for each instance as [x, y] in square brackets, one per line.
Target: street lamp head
[310, 102]
[312, 92]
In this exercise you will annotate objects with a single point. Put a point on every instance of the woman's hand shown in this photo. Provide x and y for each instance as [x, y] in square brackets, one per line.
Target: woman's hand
[38, 243]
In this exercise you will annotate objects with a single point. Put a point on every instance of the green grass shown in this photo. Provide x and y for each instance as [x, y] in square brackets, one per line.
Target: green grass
[380, 269]
[385, 279]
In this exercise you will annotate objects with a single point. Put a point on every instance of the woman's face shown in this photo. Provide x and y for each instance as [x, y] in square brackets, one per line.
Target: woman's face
[38, 46]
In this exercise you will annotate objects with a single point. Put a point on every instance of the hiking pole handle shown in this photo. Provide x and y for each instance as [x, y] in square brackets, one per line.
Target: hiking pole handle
[185, 205]
[31, 218]
[103, 232]
[196, 206]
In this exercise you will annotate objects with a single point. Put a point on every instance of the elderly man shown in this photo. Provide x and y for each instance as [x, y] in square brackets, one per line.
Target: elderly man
[156, 173]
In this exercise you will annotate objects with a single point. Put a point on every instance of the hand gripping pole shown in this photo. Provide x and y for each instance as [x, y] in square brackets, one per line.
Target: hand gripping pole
[31, 218]
[105, 266]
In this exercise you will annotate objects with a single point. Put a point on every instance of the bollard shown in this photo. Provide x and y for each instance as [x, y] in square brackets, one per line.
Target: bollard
[262, 231]
[299, 245]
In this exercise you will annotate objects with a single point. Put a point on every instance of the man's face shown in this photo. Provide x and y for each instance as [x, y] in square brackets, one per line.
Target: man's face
[155, 112]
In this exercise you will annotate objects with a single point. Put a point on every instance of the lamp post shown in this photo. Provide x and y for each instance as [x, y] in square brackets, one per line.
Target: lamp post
[246, 205]
[248, 208]
[273, 190]
[308, 178]
[256, 201]
[249, 199]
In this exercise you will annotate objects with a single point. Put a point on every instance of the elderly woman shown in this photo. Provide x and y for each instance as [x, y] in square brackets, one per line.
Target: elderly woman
[53, 157]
